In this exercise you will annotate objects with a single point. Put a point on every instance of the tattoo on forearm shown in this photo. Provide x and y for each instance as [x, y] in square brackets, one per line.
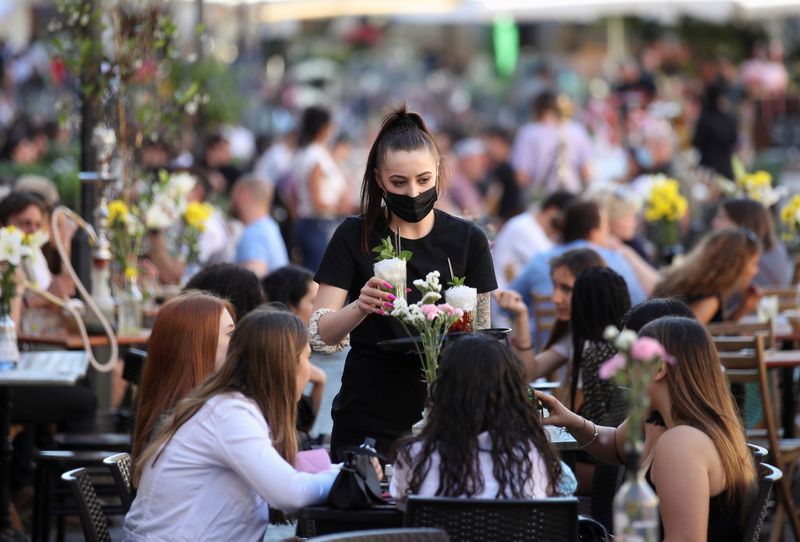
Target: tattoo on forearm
[484, 315]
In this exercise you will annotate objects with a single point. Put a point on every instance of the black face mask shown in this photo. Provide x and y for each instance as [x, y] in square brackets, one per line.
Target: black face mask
[411, 209]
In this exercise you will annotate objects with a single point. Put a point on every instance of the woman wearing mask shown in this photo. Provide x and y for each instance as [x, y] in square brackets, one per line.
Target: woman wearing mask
[383, 394]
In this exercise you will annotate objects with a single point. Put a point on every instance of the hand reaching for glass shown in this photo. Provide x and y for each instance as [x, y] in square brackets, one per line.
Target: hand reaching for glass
[558, 414]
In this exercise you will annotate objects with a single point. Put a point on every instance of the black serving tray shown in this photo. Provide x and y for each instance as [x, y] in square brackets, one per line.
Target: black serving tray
[407, 345]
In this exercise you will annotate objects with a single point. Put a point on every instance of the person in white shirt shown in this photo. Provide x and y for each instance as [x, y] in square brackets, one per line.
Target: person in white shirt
[526, 234]
[320, 187]
[224, 457]
[483, 437]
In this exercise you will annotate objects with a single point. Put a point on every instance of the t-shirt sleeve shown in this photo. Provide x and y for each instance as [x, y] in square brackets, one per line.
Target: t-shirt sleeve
[521, 156]
[480, 270]
[251, 247]
[338, 266]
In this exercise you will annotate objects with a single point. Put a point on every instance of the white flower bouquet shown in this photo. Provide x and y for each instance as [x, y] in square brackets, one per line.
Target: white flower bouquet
[430, 320]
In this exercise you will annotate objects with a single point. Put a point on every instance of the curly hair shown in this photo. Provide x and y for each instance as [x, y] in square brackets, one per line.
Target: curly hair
[713, 267]
[480, 388]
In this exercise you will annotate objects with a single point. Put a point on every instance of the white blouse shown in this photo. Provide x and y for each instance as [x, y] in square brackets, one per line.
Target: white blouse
[535, 488]
[333, 182]
[217, 476]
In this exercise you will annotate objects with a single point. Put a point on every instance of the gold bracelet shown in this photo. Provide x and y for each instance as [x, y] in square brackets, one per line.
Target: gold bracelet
[594, 437]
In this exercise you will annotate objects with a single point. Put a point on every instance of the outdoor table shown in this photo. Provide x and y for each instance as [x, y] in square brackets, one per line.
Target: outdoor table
[73, 341]
[787, 361]
[48, 368]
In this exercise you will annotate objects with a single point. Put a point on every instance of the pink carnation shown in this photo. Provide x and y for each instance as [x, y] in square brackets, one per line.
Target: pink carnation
[430, 311]
[610, 367]
[449, 310]
[647, 348]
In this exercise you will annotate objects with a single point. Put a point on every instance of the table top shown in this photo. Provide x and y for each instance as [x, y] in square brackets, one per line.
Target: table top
[561, 439]
[73, 341]
[47, 368]
[775, 359]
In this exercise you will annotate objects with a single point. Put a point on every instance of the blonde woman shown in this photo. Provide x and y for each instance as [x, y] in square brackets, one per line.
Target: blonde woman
[216, 466]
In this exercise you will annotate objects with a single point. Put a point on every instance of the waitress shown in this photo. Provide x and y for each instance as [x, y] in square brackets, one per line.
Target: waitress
[382, 393]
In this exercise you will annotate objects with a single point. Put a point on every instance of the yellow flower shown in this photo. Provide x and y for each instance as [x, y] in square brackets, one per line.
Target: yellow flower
[197, 214]
[665, 201]
[131, 273]
[117, 211]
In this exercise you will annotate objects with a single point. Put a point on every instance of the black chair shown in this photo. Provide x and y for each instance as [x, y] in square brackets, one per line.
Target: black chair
[759, 453]
[52, 500]
[93, 520]
[467, 520]
[768, 476]
[321, 520]
[387, 535]
[120, 467]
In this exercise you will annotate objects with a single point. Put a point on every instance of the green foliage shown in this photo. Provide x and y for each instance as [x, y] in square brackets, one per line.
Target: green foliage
[60, 165]
[457, 281]
[386, 251]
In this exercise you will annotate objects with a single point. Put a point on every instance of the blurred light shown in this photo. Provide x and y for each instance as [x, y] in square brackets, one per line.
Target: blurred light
[506, 45]
[275, 69]
[228, 53]
[598, 88]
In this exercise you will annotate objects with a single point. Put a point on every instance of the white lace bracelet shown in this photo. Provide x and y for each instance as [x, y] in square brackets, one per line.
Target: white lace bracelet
[317, 344]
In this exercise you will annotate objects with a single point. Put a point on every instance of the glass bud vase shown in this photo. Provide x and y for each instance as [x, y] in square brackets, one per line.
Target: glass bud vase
[131, 303]
[9, 349]
[636, 516]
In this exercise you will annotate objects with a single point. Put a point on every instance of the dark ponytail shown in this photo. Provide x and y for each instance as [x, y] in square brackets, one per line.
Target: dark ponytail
[401, 131]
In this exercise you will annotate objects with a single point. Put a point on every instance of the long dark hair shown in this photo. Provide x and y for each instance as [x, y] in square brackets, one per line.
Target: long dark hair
[600, 299]
[401, 130]
[314, 120]
[653, 309]
[576, 261]
[480, 387]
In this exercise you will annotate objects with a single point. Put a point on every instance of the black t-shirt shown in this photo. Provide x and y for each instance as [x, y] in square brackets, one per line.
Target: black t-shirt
[383, 391]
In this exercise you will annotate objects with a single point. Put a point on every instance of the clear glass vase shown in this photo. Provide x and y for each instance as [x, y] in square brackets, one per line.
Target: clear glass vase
[131, 303]
[9, 349]
[636, 516]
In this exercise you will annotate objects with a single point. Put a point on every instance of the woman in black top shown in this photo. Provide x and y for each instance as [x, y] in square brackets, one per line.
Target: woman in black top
[382, 393]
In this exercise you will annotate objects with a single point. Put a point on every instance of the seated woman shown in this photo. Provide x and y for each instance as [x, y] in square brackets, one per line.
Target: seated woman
[723, 264]
[189, 341]
[483, 437]
[225, 456]
[699, 466]
[564, 270]
[238, 285]
[294, 287]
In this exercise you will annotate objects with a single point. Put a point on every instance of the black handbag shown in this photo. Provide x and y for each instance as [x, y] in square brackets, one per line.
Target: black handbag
[356, 486]
[591, 530]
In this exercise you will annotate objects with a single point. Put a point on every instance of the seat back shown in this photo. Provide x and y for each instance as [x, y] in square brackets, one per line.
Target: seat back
[735, 329]
[759, 453]
[467, 520]
[120, 467]
[93, 520]
[768, 476]
[387, 535]
[544, 318]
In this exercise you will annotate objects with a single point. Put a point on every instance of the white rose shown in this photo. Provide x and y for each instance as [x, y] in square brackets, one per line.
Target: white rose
[462, 297]
[37, 240]
[626, 339]
[182, 183]
[391, 270]
[160, 215]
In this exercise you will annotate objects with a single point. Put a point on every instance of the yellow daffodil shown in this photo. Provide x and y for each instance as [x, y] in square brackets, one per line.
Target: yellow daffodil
[665, 201]
[197, 214]
[131, 273]
[117, 211]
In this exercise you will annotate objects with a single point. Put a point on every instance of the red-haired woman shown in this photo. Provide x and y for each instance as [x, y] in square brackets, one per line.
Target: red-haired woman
[189, 341]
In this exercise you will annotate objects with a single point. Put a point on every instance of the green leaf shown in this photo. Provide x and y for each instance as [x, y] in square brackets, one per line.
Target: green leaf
[457, 281]
[739, 171]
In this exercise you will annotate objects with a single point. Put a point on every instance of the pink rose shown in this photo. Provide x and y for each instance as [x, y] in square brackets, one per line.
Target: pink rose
[647, 348]
[610, 367]
[430, 311]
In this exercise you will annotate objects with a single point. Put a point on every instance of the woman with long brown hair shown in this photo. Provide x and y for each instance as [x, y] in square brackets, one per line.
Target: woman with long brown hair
[225, 456]
[722, 264]
[699, 466]
[188, 342]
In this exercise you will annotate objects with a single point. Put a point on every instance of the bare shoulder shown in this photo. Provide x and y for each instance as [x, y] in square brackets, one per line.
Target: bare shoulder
[681, 443]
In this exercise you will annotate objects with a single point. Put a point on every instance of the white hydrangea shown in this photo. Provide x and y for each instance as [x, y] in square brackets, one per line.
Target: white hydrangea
[462, 297]
[610, 333]
[392, 270]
